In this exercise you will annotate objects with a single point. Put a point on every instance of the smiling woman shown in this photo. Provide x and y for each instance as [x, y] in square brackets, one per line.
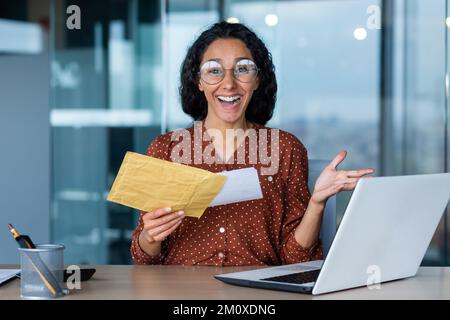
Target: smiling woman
[228, 84]
[212, 73]
[232, 46]
[227, 94]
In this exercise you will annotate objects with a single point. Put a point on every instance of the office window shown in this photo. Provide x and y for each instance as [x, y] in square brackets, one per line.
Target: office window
[328, 74]
[183, 23]
[415, 131]
[344, 84]
[106, 100]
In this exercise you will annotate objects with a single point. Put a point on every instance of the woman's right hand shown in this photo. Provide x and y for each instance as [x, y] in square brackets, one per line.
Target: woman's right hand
[160, 223]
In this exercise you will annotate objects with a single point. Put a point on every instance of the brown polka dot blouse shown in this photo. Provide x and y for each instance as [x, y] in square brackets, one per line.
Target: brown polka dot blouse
[257, 232]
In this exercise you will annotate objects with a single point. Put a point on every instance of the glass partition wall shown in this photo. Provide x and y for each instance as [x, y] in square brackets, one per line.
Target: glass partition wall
[366, 76]
[414, 109]
[106, 100]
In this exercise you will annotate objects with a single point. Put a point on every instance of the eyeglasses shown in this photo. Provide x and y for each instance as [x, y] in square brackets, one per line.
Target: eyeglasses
[212, 72]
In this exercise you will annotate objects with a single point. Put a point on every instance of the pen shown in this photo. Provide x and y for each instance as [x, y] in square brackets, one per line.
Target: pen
[24, 241]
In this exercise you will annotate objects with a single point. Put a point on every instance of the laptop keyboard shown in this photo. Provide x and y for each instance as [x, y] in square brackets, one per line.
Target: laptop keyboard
[297, 278]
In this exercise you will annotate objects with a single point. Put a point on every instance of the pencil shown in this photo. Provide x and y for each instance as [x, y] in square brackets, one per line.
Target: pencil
[25, 242]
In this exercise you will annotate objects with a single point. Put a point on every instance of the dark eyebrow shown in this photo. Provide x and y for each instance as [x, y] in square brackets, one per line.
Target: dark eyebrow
[242, 58]
[235, 60]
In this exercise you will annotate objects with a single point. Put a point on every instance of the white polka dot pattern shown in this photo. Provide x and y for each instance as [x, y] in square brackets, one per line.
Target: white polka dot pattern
[257, 232]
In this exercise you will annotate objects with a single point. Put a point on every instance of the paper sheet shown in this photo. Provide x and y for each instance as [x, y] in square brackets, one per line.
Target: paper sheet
[241, 185]
[6, 274]
[147, 183]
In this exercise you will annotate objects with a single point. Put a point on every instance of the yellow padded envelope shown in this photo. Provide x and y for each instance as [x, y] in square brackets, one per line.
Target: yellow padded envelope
[148, 183]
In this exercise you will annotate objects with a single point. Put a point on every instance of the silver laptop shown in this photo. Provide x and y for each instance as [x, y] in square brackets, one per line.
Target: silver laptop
[383, 236]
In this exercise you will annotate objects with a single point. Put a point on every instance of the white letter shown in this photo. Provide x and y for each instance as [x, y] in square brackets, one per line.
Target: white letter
[181, 152]
[198, 138]
[73, 21]
[374, 279]
[213, 135]
[274, 158]
[230, 136]
[74, 280]
[374, 20]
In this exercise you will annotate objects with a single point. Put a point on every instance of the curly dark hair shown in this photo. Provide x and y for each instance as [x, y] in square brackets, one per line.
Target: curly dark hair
[262, 104]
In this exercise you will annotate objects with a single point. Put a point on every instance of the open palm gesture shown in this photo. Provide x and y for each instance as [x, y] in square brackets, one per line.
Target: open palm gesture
[332, 181]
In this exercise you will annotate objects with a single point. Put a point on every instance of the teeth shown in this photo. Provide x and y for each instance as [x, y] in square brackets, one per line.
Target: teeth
[229, 99]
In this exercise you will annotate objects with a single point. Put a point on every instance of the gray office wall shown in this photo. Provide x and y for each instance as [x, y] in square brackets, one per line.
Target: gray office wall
[24, 151]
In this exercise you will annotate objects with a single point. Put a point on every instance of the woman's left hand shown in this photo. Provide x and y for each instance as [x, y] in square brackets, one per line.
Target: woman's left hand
[332, 181]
